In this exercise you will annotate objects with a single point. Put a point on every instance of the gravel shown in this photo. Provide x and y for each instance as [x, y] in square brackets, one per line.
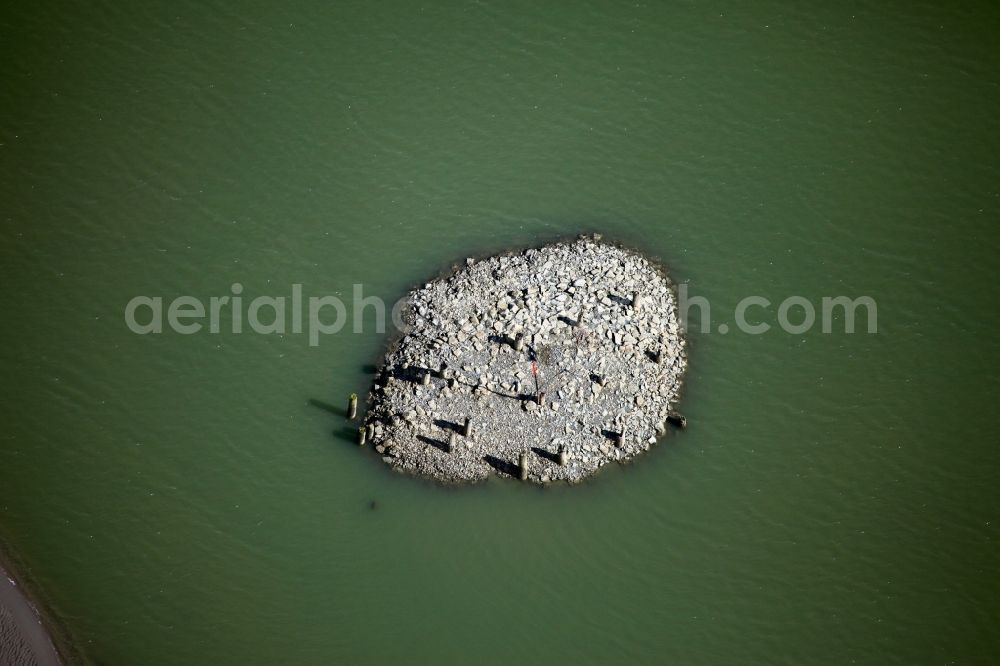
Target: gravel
[563, 358]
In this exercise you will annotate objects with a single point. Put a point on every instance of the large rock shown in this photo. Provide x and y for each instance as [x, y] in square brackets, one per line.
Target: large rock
[593, 325]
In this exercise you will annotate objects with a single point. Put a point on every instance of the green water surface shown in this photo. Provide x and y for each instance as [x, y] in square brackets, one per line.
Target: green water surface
[189, 500]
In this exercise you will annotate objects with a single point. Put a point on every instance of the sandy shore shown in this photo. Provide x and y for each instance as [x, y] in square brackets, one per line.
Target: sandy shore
[24, 639]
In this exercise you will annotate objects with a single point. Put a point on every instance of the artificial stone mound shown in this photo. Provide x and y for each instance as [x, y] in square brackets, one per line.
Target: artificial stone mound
[554, 361]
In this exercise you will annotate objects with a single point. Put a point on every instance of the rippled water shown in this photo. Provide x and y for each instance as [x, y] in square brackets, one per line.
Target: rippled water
[180, 500]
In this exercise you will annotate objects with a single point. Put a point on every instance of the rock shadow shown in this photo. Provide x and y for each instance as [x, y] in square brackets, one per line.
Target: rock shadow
[436, 443]
[501, 340]
[502, 466]
[411, 374]
[548, 455]
[449, 425]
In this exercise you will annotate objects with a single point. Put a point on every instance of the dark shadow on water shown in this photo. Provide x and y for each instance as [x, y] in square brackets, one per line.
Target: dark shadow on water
[548, 455]
[347, 434]
[437, 443]
[348, 431]
[327, 407]
[501, 466]
[369, 369]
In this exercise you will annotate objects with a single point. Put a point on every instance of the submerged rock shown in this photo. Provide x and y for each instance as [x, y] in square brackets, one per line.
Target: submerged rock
[544, 365]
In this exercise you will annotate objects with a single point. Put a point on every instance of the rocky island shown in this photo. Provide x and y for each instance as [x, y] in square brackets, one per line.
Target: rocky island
[542, 365]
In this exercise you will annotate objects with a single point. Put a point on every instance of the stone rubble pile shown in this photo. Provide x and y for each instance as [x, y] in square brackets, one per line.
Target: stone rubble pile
[543, 365]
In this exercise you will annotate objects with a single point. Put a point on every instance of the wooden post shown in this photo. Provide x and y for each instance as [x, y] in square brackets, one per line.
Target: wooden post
[362, 435]
[452, 442]
[636, 302]
[523, 465]
[425, 379]
[352, 406]
[563, 455]
[467, 427]
[540, 398]
[620, 436]
[519, 342]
